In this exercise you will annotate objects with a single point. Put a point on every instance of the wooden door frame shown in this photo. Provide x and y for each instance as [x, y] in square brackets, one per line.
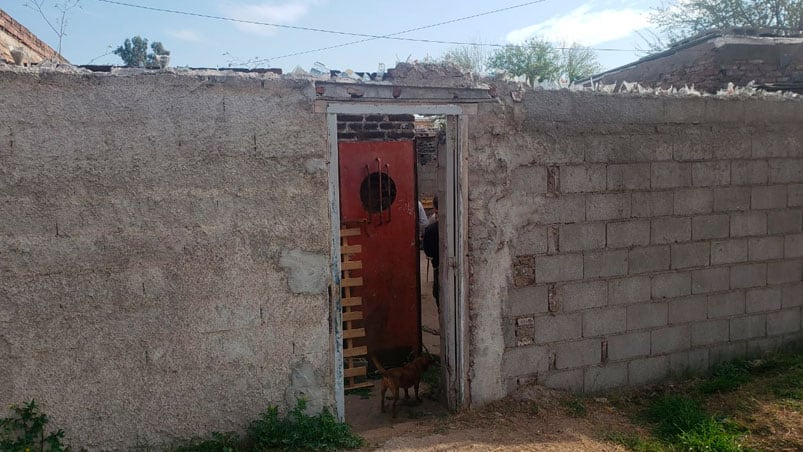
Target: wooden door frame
[454, 301]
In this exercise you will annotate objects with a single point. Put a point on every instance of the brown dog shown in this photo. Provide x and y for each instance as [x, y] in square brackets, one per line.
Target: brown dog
[401, 377]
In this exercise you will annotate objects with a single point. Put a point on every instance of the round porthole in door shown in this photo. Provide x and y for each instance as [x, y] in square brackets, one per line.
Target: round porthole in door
[377, 192]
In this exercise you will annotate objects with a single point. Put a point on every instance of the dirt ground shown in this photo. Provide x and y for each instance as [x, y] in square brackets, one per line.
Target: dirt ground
[537, 420]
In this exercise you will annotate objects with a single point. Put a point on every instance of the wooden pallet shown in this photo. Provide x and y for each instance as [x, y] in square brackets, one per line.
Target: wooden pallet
[352, 314]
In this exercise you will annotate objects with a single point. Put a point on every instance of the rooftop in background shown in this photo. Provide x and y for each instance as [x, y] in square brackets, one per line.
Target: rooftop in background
[13, 35]
[711, 60]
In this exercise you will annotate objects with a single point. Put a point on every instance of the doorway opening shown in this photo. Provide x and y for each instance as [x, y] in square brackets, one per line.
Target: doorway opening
[386, 161]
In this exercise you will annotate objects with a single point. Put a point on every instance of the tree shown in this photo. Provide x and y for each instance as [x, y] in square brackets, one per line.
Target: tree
[680, 19]
[539, 60]
[134, 52]
[470, 58]
[578, 62]
[59, 24]
[536, 60]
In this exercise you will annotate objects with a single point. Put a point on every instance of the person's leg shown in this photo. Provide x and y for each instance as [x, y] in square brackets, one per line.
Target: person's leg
[436, 286]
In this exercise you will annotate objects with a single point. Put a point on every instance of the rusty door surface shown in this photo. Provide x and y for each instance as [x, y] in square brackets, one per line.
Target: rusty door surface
[378, 194]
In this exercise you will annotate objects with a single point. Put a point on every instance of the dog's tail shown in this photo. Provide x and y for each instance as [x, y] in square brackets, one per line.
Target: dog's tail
[379, 369]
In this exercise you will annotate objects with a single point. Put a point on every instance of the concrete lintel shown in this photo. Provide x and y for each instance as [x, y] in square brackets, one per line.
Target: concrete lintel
[397, 109]
[410, 93]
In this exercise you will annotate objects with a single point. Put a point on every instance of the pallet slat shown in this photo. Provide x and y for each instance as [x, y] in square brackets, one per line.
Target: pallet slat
[351, 282]
[355, 333]
[355, 351]
[355, 372]
[351, 301]
[351, 265]
[350, 232]
[350, 249]
[351, 316]
[365, 384]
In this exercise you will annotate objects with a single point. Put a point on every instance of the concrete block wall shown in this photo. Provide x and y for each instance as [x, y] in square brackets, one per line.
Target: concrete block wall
[375, 127]
[164, 252]
[626, 237]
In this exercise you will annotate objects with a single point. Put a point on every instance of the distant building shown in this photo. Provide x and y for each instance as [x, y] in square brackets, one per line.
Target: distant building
[14, 37]
[711, 60]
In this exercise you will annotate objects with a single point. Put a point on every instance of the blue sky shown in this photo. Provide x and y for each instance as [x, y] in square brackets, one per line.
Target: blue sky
[98, 27]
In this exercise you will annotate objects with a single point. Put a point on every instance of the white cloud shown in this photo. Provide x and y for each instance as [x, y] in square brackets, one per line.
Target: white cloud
[186, 34]
[278, 13]
[585, 27]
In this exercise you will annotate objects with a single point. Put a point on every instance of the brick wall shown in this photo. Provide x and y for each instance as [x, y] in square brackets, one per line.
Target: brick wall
[640, 236]
[375, 127]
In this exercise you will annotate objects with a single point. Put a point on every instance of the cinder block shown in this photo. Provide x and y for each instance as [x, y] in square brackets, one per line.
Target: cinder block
[608, 206]
[731, 198]
[748, 327]
[558, 209]
[710, 227]
[795, 195]
[749, 172]
[670, 174]
[648, 370]
[582, 178]
[576, 354]
[762, 347]
[634, 176]
[649, 259]
[783, 322]
[628, 346]
[629, 290]
[527, 300]
[690, 255]
[520, 361]
[727, 352]
[652, 204]
[598, 322]
[710, 280]
[792, 296]
[582, 236]
[628, 233]
[784, 171]
[671, 230]
[574, 297]
[728, 252]
[793, 245]
[529, 240]
[772, 197]
[688, 309]
[707, 174]
[748, 275]
[749, 223]
[765, 248]
[694, 201]
[710, 332]
[569, 380]
[646, 315]
[601, 378]
[528, 179]
[563, 267]
[764, 299]
[671, 285]
[597, 264]
[726, 305]
[689, 361]
[671, 339]
[561, 327]
[784, 221]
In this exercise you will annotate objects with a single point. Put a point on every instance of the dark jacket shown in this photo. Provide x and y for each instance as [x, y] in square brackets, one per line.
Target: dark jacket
[431, 243]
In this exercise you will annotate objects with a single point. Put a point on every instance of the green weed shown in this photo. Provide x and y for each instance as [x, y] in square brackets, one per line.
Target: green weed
[220, 442]
[709, 435]
[575, 407]
[682, 422]
[25, 431]
[637, 443]
[727, 376]
[299, 431]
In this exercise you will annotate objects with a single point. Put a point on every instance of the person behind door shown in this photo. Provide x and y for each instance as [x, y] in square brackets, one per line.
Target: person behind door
[431, 249]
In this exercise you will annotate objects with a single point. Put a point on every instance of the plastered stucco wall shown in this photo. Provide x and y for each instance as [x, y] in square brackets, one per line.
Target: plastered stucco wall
[164, 245]
[616, 239]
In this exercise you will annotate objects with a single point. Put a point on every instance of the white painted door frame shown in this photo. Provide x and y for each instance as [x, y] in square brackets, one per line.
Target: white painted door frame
[454, 303]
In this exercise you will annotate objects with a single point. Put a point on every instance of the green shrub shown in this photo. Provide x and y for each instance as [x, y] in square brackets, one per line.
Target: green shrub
[299, 431]
[726, 377]
[25, 431]
[711, 436]
[220, 442]
[675, 414]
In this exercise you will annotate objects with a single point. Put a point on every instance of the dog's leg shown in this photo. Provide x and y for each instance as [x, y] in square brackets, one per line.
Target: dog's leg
[382, 397]
[406, 394]
[395, 399]
[416, 390]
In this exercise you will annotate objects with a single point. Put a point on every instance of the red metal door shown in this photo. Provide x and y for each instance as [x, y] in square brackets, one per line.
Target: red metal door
[377, 193]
